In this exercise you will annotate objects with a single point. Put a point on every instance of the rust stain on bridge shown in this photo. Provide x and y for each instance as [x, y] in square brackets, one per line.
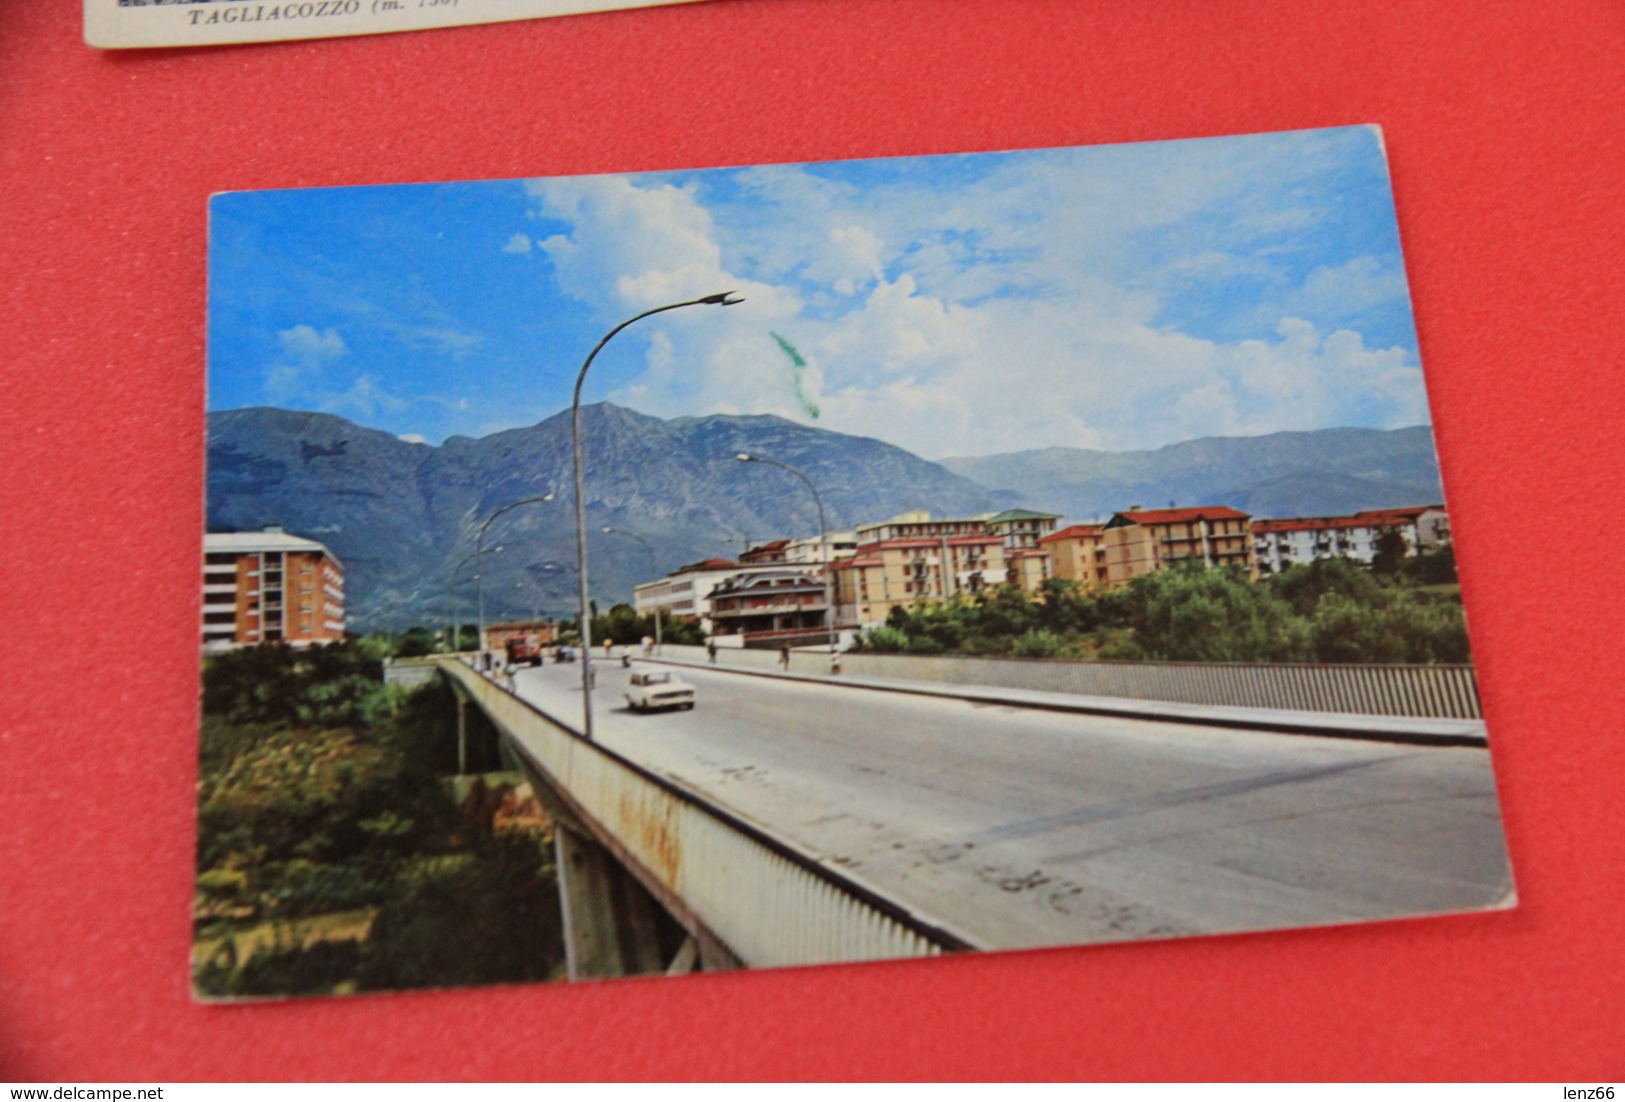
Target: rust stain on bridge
[653, 834]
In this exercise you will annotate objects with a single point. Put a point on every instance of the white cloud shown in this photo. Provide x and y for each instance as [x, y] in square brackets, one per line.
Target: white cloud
[1348, 291]
[307, 375]
[413, 438]
[518, 243]
[1008, 312]
[305, 355]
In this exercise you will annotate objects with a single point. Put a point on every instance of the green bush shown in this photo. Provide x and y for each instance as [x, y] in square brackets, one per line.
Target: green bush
[885, 639]
[494, 920]
[1401, 629]
[1037, 643]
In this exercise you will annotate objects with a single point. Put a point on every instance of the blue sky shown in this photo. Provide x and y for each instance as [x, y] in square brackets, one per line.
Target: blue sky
[1114, 297]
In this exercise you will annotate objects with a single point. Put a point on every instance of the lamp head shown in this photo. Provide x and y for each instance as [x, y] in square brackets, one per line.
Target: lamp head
[726, 298]
[745, 457]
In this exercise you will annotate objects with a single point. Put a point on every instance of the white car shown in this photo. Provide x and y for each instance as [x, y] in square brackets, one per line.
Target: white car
[648, 691]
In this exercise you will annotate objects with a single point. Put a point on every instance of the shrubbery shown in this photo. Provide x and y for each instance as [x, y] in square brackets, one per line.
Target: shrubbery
[623, 626]
[319, 794]
[1331, 610]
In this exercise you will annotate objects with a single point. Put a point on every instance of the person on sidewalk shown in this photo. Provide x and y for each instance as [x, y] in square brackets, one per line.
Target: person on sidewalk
[784, 657]
[711, 650]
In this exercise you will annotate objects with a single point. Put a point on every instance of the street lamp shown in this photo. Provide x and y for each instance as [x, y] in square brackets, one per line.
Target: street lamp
[823, 540]
[536, 598]
[479, 547]
[456, 628]
[726, 298]
[653, 569]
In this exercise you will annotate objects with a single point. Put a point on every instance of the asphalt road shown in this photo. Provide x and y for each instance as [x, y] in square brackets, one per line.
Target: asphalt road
[1023, 828]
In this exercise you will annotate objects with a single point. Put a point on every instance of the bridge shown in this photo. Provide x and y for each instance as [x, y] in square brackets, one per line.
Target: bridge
[799, 818]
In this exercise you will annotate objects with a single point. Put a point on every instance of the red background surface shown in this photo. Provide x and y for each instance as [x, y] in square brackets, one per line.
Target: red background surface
[1503, 124]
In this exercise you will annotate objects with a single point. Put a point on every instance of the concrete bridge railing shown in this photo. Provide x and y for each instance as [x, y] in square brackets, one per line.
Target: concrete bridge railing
[1433, 691]
[728, 881]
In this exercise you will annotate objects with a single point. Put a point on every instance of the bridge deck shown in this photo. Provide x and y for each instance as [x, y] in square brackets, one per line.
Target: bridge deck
[1029, 828]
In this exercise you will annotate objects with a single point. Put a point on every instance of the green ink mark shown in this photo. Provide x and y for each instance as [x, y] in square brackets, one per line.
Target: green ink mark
[797, 366]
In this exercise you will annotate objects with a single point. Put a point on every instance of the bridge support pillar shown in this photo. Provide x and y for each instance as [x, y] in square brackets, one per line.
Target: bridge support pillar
[609, 921]
[462, 734]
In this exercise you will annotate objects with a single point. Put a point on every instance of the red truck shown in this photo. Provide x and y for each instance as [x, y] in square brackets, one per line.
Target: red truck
[525, 648]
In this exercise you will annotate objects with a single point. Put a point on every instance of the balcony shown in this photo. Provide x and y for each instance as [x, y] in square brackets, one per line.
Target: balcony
[774, 609]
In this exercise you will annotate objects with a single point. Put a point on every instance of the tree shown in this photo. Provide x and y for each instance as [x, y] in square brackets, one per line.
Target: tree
[1435, 567]
[1398, 629]
[1304, 584]
[414, 642]
[1194, 614]
[1389, 551]
[621, 625]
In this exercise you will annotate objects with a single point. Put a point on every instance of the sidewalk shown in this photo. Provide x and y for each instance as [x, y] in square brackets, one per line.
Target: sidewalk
[1413, 730]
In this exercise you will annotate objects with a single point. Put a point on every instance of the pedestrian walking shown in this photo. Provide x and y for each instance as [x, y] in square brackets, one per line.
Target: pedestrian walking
[711, 650]
[784, 657]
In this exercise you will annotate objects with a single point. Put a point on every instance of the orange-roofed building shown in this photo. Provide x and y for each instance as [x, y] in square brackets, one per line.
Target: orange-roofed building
[770, 552]
[902, 573]
[1078, 553]
[1142, 541]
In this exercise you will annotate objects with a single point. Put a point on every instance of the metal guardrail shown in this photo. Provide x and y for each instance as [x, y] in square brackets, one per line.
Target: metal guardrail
[769, 903]
[1432, 691]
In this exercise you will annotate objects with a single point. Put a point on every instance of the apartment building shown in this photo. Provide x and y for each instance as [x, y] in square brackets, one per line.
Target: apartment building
[917, 525]
[908, 572]
[686, 591]
[1278, 544]
[1078, 553]
[1140, 541]
[803, 551]
[764, 553]
[809, 550]
[771, 606]
[270, 587]
[1022, 531]
[1019, 531]
[1425, 526]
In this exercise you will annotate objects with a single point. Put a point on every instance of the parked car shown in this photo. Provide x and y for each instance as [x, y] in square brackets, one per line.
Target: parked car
[663, 689]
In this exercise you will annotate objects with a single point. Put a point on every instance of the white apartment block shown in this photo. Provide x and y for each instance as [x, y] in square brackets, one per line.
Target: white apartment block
[1278, 544]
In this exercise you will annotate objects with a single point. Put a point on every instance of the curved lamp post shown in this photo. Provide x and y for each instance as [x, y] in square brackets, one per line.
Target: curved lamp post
[479, 548]
[653, 569]
[823, 540]
[726, 298]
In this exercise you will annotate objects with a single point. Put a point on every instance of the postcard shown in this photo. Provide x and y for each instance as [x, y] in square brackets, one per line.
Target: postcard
[128, 24]
[797, 564]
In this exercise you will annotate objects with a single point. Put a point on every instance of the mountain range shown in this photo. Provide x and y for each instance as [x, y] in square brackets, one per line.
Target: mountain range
[403, 516]
[1284, 474]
